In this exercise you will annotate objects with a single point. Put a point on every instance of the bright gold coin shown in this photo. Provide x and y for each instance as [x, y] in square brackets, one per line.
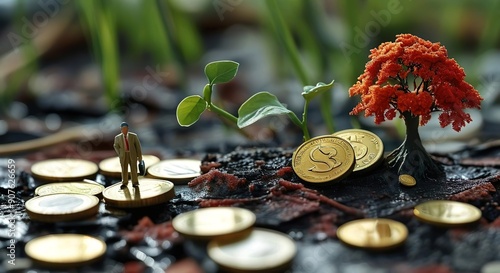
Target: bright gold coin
[64, 169]
[65, 250]
[368, 147]
[447, 213]
[407, 180]
[111, 166]
[373, 234]
[89, 188]
[323, 159]
[150, 192]
[176, 170]
[263, 250]
[62, 207]
[209, 223]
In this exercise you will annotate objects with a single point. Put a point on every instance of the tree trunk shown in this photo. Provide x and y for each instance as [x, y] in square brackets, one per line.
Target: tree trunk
[411, 157]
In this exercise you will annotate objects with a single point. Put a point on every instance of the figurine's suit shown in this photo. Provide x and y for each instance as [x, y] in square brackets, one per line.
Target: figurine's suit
[129, 157]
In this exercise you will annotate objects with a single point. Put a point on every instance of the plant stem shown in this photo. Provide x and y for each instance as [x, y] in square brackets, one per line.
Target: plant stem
[284, 34]
[305, 130]
[222, 113]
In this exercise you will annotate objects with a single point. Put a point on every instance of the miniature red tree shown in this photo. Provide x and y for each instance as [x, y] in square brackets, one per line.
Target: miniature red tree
[414, 77]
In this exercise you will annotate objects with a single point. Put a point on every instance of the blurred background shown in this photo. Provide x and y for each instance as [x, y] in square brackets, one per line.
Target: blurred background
[71, 71]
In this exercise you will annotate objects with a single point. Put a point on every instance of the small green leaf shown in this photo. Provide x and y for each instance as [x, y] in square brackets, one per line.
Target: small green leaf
[190, 109]
[258, 106]
[221, 71]
[311, 92]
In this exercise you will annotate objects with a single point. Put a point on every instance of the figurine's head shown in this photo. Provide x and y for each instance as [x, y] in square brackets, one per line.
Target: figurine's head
[124, 127]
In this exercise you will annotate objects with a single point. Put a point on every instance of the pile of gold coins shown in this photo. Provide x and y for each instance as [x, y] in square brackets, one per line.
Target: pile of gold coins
[67, 193]
[232, 241]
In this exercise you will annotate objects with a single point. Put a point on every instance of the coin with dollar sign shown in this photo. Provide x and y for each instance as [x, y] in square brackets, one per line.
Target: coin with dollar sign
[323, 159]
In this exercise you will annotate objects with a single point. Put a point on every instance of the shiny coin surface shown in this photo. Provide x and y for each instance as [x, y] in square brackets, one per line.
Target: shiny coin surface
[111, 166]
[64, 169]
[89, 188]
[323, 159]
[65, 250]
[62, 207]
[447, 213]
[263, 250]
[176, 170]
[407, 180]
[373, 234]
[150, 192]
[368, 147]
[209, 223]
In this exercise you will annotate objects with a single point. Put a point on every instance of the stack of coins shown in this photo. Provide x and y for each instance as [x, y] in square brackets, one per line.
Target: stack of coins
[179, 171]
[65, 250]
[64, 169]
[233, 244]
[111, 166]
[149, 192]
[445, 213]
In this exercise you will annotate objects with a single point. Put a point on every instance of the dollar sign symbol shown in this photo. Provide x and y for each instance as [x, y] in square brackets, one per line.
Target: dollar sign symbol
[324, 158]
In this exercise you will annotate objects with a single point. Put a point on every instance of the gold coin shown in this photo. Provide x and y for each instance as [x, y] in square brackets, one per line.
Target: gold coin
[176, 170]
[323, 159]
[65, 250]
[263, 250]
[83, 187]
[64, 169]
[111, 166]
[150, 192]
[62, 207]
[447, 213]
[407, 180]
[373, 234]
[368, 147]
[209, 223]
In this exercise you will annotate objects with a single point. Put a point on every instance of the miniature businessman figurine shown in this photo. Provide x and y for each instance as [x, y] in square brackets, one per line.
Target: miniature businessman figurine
[128, 148]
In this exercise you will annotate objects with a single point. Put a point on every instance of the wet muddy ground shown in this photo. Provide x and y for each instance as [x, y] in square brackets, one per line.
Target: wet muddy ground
[262, 180]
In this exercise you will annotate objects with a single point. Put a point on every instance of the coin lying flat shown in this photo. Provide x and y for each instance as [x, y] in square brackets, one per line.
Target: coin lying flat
[323, 159]
[447, 213]
[368, 147]
[65, 250]
[150, 192]
[111, 166]
[373, 234]
[62, 207]
[407, 180]
[64, 169]
[263, 250]
[176, 170]
[209, 223]
[89, 188]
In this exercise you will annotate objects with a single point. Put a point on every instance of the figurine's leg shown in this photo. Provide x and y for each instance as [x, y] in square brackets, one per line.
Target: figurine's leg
[125, 164]
[133, 172]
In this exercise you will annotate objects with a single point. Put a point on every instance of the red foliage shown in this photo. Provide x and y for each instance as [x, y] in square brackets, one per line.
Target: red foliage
[415, 76]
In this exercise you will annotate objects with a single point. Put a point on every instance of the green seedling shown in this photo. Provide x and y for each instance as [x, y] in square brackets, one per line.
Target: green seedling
[257, 107]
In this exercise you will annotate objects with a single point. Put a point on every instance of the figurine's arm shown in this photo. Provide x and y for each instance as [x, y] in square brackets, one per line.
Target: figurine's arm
[138, 148]
[117, 146]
